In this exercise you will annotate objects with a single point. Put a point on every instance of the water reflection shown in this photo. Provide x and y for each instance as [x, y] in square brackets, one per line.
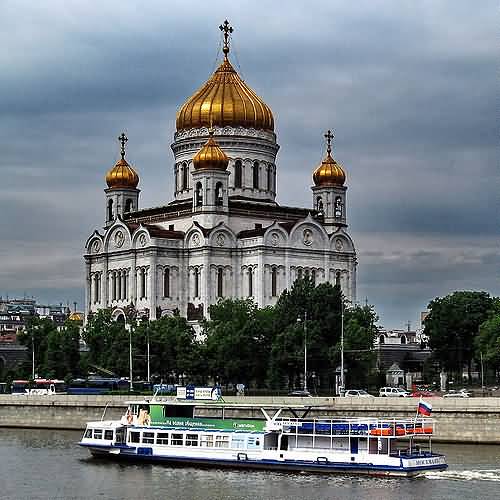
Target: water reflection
[48, 464]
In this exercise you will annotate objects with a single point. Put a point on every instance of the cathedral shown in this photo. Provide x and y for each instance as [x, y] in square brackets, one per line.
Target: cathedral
[223, 234]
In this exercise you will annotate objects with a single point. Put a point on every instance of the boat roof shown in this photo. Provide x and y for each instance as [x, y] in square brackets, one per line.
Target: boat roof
[184, 402]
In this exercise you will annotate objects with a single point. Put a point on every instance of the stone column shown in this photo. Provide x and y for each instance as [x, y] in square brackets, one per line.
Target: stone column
[153, 299]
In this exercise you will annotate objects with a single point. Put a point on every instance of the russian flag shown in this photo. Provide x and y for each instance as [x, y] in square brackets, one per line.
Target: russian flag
[424, 408]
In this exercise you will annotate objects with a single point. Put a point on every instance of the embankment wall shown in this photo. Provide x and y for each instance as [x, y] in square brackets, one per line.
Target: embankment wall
[474, 420]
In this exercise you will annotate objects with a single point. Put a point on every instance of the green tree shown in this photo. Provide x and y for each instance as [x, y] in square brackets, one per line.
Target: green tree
[319, 311]
[488, 343]
[360, 331]
[36, 335]
[453, 324]
[108, 342]
[236, 337]
[174, 351]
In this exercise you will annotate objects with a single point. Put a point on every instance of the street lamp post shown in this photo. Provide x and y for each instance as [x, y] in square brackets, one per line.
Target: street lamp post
[147, 339]
[341, 345]
[129, 328]
[305, 348]
[32, 355]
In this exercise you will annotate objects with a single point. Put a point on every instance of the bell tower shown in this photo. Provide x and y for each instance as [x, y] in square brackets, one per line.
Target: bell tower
[329, 192]
[122, 195]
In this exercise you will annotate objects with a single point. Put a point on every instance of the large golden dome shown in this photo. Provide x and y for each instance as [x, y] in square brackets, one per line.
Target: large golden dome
[329, 173]
[225, 100]
[210, 156]
[122, 175]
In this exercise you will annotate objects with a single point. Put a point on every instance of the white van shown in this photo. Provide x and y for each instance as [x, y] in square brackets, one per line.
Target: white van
[393, 392]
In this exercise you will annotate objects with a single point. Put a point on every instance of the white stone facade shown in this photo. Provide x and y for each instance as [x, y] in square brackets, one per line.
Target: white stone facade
[238, 242]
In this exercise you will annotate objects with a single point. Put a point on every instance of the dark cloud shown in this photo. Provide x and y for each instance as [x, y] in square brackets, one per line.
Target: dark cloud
[410, 90]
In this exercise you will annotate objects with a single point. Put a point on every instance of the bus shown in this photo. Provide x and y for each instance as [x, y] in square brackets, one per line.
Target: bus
[38, 387]
[97, 385]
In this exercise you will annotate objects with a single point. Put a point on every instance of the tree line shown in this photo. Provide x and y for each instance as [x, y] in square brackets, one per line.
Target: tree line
[264, 348]
[239, 343]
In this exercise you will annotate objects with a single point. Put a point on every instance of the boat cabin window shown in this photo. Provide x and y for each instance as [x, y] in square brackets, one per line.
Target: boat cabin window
[88, 433]
[222, 441]
[120, 436]
[191, 439]
[176, 440]
[97, 433]
[183, 411]
[108, 435]
[271, 441]
[207, 440]
[162, 438]
[148, 437]
[238, 441]
[135, 437]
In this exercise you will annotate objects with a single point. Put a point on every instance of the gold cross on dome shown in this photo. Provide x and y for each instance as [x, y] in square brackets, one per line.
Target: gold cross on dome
[123, 140]
[227, 29]
[329, 136]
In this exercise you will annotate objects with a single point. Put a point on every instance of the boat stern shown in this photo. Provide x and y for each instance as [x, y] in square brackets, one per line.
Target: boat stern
[416, 465]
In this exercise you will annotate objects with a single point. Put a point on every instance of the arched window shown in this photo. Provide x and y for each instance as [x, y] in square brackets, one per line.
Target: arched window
[403, 339]
[119, 285]
[125, 287]
[255, 174]
[143, 283]
[313, 277]
[337, 278]
[319, 205]
[338, 206]
[176, 174]
[166, 282]
[274, 282]
[110, 210]
[199, 195]
[269, 178]
[381, 339]
[219, 200]
[184, 176]
[250, 282]
[220, 282]
[196, 282]
[128, 205]
[299, 273]
[238, 173]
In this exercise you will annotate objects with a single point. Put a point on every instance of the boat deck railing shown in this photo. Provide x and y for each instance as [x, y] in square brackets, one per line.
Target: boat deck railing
[356, 427]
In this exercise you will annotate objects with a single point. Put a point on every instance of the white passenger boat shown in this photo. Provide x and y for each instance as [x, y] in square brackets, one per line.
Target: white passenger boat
[284, 438]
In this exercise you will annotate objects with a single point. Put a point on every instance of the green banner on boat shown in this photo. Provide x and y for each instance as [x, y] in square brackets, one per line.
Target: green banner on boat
[209, 423]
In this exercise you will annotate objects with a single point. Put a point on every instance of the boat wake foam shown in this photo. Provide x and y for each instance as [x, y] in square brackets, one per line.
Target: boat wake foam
[466, 475]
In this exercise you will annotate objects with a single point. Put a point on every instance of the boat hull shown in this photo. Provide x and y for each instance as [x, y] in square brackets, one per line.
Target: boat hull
[132, 455]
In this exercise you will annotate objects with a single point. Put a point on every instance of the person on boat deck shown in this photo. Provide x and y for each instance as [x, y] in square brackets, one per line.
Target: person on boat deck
[144, 418]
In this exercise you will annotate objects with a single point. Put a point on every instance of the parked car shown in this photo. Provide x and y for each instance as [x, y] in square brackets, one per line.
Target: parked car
[300, 393]
[462, 393]
[393, 392]
[357, 393]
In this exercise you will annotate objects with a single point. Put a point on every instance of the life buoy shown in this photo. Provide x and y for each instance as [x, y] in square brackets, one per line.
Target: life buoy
[130, 418]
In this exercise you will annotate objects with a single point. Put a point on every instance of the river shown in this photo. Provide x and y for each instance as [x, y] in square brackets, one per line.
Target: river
[43, 464]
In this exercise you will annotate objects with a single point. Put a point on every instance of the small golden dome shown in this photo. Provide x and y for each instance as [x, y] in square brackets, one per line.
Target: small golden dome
[210, 156]
[76, 316]
[329, 173]
[225, 100]
[122, 175]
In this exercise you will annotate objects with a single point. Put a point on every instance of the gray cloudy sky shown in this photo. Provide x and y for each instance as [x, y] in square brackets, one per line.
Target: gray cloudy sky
[410, 89]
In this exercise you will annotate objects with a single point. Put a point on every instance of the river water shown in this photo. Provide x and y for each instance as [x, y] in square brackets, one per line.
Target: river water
[42, 464]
